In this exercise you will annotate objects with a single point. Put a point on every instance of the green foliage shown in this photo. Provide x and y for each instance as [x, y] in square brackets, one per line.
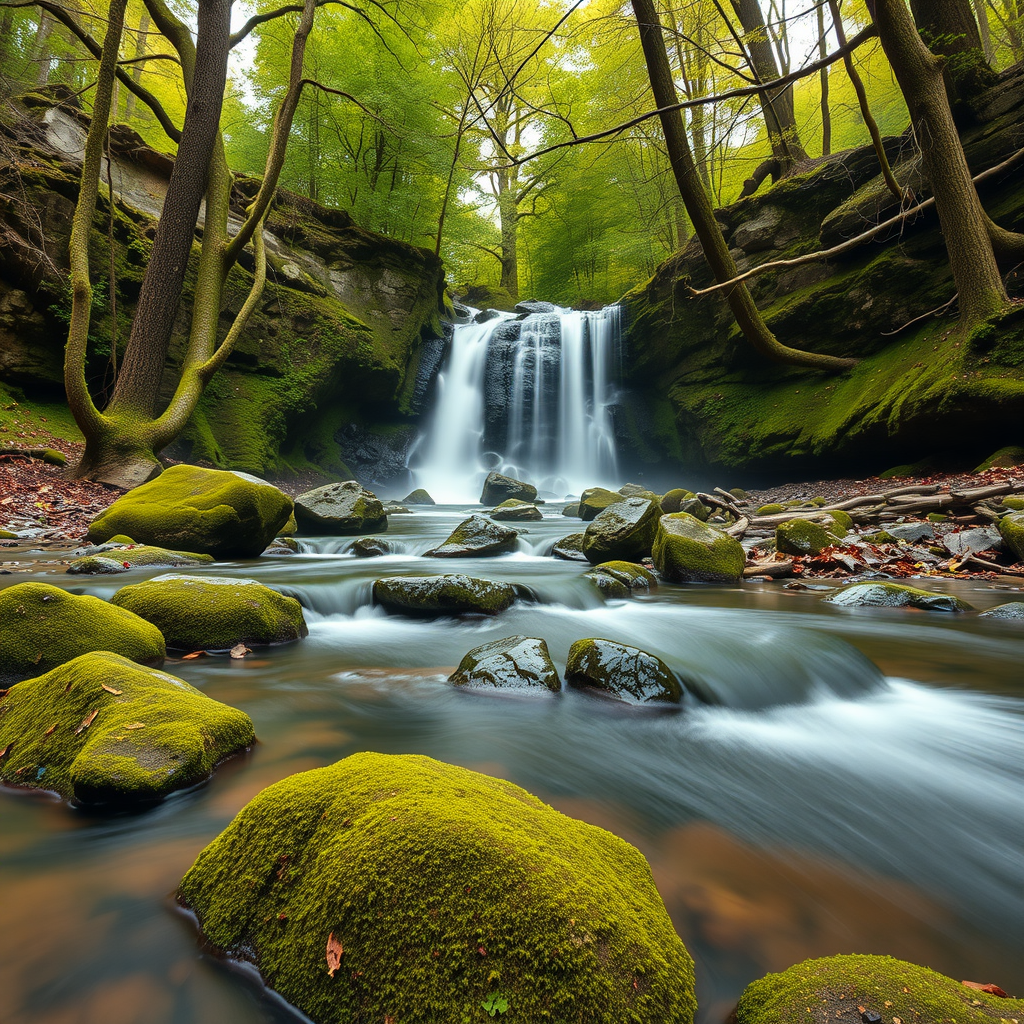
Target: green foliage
[495, 1004]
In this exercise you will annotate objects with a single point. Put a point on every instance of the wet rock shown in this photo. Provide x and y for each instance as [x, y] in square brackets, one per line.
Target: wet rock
[535, 306]
[393, 508]
[912, 533]
[498, 488]
[572, 509]
[622, 531]
[1011, 529]
[118, 559]
[103, 731]
[895, 595]
[618, 580]
[477, 537]
[595, 500]
[377, 456]
[671, 500]
[570, 548]
[628, 673]
[340, 510]
[517, 662]
[969, 542]
[689, 551]
[451, 594]
[486, 314]
[1012, 610]
[514, 511]
[418, 497]
[696, 508]
[802, 537]
[370, 547]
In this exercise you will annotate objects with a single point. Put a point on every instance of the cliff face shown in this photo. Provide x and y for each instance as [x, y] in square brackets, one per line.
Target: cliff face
[334, 345]
[707, 400]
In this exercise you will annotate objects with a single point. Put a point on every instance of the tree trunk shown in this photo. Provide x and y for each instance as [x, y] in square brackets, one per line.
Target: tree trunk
[981, 13]
[508, 213]
[964, 224]
[826, 110]
[140, 49]
[698, 203]
[41, 48]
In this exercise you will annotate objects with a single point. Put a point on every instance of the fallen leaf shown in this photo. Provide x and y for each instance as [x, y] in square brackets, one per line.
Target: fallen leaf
[136, 725]
[240, 651]
[87, 721]
[49, 732]
[110, 689]
[334, 954]
[992, 990]
[193, 655]
[6, 750]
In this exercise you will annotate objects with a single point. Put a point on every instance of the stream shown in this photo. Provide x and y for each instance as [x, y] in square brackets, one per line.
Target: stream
[859, 787]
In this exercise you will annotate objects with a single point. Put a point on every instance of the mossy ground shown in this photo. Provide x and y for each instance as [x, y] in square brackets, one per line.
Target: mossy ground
[444, 888]
[102, 730]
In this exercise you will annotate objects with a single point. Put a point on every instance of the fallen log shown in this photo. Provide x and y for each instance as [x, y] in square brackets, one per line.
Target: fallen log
[776, 570]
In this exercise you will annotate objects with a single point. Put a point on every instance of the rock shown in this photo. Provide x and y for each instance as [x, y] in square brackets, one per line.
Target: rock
[498, 488]
[486, 314]
[738, 492]
[635, 490]
[122, 559]
[1014, 504]
[392, 508]
[771, 509]
[570, 548]
[886, 988]
[290, 528]
[101, 730]
[473, 868]
[968, 542]
[623, 531]
[452, 594]
[209, 511]
[632, 576]
[696, 508]
[370, 547]
[911, 532]
[42, 627]
[1006, 458]
[1010, 610]
[418, 497]
[689, 551]
[595, 500]
[895, 595]
[802, 537]
[340, 510]
[572, 509]
[517, 662]
[7, 535]
[477, 537]
[620, 671]
[213, 613]
[514, 511]
[535, 306]
[671, 500]
[1011, 529]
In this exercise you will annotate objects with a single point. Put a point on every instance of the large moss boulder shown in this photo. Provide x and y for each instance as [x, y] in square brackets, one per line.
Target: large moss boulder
[399, 888]
[451, 594]
[515, 511]
[688, 551]
[418, 497]
[213, 512]
[101, 730]
[477, 537]
[213, 613]
[340, 510]
[895, 595]
[622, 579]
[498, 488]
[42, 627]
[802, 537]
[595, 500]
[122, 558]
[837, 987]
[623, 672]
[514, 663]
[1011, 529]
[623, 531]
[671, 500]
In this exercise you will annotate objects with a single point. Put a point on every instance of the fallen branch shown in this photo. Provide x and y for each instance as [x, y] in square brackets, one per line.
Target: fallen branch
[775, 570]
[42, 454]
[992, 566]
[739, 528]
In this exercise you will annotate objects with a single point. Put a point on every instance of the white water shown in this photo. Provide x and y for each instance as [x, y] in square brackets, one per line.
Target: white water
[561, 447]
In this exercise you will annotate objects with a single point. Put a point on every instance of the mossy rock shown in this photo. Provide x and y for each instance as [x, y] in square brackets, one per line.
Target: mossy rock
[1011, 611]
[498, 488]
[213, 512]
[477, 537]
[835, 987]
[516, 663]
[42, 627]
[213, 613]
[445, 889]
[1011, 529]
[895, 595]
[938, 517]
[123, 559]
[738, 492]
[101, 730]
[623, 531]
[516, 511]
[689, 551]
[570, 548]
[1014, 504]
[370, 547]
[595, 500]
[881, 537]
[120, 538]
[771, 509]
[802, 537]
[418, 497]
[696, 508]
[620, 671]
[451, 594]
[290, 528]
[1006, 458]
[340, 510]
[671, 500]
[572, 509]
[620, 579]
[7, 535]
[843, 522]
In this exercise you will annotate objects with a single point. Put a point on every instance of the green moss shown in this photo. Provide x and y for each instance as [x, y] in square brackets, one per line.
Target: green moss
[634, 576]
[102, 730]
[1011, 529]
[212, 613]
[1005, 458]
[187, 508]
[895, 595]
[7, 535]
[689, 551]
[842, 520]
[771, 509]
[595, 500]
[881, 537]
[802, 537]
[620, 671]
[42, 627]
[514, 510]
[671, 500]
[837, 985]
[937, 517]
[477, 537]
[120, 538]
[451, 594]
[340, 509]
[134, 556]
[624, 530]
[444, 887]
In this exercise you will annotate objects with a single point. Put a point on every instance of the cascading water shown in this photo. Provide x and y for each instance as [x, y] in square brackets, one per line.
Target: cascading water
[532, 398]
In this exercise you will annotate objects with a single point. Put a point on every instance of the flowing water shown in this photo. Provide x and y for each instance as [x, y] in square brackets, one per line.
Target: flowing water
[858, 787]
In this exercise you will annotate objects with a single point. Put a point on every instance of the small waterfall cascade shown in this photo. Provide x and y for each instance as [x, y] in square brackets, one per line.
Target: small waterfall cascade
[531, 397]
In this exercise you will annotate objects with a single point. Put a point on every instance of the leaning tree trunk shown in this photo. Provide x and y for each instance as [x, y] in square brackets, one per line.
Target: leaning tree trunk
[698, 203]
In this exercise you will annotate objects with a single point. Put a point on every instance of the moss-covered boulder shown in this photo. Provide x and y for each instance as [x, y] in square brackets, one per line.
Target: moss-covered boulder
[626, 673]
[122, 558]
[671, 500]
[570, 548]
[696, 508]
[477, 537]
[7, 535]
[514, 663]
[340, 510]
[1006, 458]
[1013, 503]
[213, 512]
[42, 627]
[451, 594]
[623, 531]
[498, 488]
[895, 595]
[689, 551]
[213, 613]
[370, 547]
[836, 987]
[572, 509]
[397, 887]
[1011, 611]
[632, 578]
[773, 508]
[802, 537]
[513, 510]
[595, 500]
[101, 730]
[418, 497]
[1011, 529]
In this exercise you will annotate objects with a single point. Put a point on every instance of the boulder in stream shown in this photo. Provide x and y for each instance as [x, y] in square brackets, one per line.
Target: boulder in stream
[622, 531]
[1011, 611]
[451, 594]
[418, 497]
[689, 551]
[1011, 529]
[516, 662]
[671, 500]
[595, 500]
[572, 509]
[513, 510]
[498, 488]
[484, 883]
[340, 510]
[620, 671]
[570, 548]
[895, 595]
[370, 547]
[477, 537]
[118, 558]
[622, 579]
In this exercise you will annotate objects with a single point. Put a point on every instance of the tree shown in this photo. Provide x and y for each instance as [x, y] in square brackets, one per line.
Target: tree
[950, 30]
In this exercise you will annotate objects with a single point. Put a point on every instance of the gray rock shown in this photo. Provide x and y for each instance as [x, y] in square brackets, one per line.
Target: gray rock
[498, 488]
[570, 548]
[477, 537]
[623, 531]
[451, 594]
[895, 595]
[911, 532]
[517, 662]
[572, 509]
[696, 508]
[418, 497]
[370, 547]
[628, 673]
[536, 306]
[1012, 610]
[340, 510]
[516, 511]
[968, 542]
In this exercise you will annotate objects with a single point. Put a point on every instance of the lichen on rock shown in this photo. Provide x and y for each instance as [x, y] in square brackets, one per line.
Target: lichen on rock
[122, 558]
[340, 510]
[895, 595]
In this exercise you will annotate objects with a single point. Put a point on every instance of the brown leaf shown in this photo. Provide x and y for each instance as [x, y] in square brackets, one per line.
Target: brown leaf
[240, 651]
[193, 655]
[334, 954]
[6, 750]
[87, 721]
[49, 732]
[992, 990]
[136, 725]
[110, 689]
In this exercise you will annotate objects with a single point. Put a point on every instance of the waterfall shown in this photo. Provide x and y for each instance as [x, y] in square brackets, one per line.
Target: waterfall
[528, 397]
